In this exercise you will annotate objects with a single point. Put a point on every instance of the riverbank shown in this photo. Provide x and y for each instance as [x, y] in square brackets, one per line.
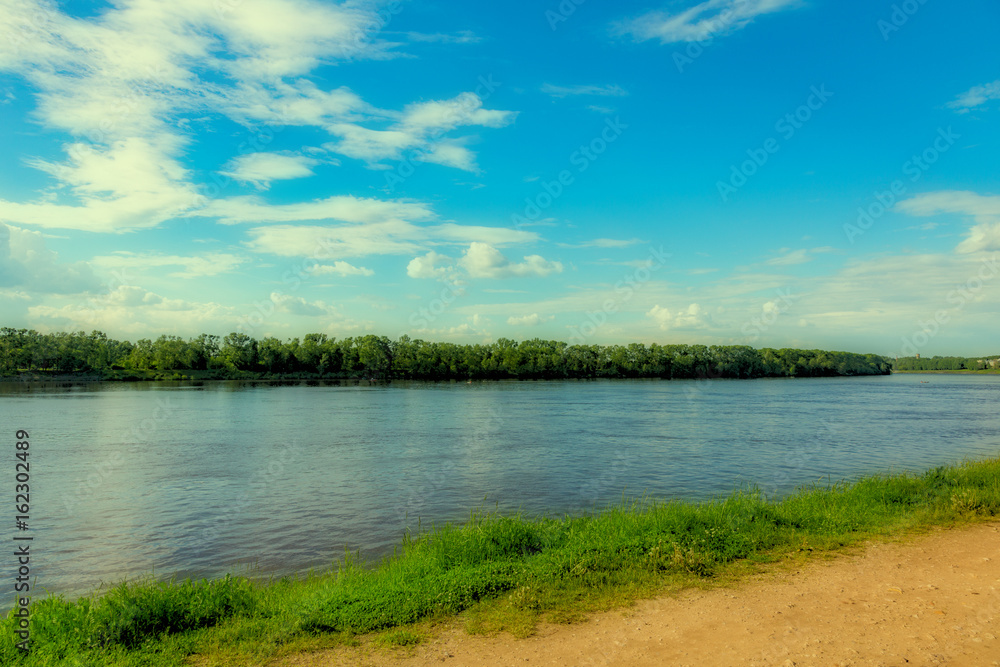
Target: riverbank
[500, 574]
[930, 599]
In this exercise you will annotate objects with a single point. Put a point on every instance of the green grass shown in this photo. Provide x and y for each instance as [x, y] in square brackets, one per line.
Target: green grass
[499, 573]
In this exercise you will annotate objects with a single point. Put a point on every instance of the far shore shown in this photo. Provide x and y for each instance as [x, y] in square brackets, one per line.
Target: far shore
[963, 371]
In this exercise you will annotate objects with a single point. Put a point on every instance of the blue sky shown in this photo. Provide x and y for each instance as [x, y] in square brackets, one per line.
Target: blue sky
[777, 173]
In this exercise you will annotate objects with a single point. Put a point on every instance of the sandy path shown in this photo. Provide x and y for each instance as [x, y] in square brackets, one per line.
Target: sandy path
[933, 600]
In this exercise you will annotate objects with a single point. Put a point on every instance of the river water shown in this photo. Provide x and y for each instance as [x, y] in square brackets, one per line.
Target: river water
[189, 479]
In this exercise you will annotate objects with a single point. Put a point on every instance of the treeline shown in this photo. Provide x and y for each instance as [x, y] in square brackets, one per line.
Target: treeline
[378, 357]
[946, 363]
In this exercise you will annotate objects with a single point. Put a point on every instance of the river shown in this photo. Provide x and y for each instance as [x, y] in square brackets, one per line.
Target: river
[196, 479]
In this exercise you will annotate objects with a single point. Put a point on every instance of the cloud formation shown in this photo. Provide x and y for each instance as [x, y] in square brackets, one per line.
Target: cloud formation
[482, 260]
[260, 169]
[131, 85]
[983, 209]
[976, 97]
[712, 18]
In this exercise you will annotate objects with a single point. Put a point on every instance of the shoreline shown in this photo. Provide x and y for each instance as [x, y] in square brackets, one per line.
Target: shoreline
[247, 376]
[927, 598]
[506, 574]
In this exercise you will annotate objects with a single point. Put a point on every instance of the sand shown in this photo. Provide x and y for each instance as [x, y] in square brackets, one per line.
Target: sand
[933, 599]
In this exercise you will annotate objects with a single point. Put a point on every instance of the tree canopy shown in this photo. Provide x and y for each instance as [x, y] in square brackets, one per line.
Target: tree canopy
[946, 363]
[378, 357]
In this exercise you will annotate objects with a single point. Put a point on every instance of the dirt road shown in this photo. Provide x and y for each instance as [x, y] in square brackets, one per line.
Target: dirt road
[931, 600]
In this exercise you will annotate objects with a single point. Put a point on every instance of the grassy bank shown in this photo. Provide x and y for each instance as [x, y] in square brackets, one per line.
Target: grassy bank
[499, 572]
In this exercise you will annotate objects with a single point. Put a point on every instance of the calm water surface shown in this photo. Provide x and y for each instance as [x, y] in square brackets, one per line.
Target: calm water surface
[128, 479]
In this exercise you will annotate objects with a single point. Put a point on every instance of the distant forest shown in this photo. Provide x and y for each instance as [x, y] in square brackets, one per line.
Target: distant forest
[237, 355]
[947, 363]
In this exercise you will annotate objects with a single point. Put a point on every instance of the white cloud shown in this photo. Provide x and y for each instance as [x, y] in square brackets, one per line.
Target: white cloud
[426, 266]
[420, 128]
[132, 82]
[294, 305]
[450, 154]
[482, 260]
[608, 90]
[341, 268]
[211, 264]
[531, 320]
[262, 168]
[976, 96]
[692, 317]
[712, 18]
[984, 209]
[298, 102]
[496, 236]
[131, 184]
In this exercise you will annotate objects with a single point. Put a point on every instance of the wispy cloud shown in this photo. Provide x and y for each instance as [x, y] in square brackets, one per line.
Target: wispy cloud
[609, 90]
[983, 209]
[340, 268]
[420, 128]
[713, 18]
[603, 243]
[461, 37]
[199, 266]
[790, 257]
[976, 96]
[262, 168]
[532, 320]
